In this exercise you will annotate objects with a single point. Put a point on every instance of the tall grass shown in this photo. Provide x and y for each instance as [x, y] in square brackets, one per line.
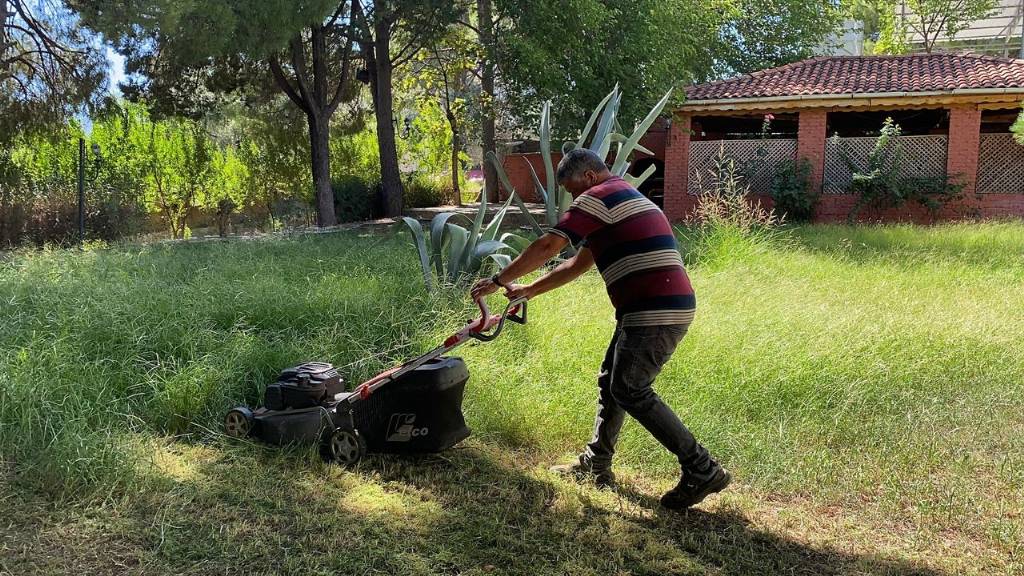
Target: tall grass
[852, 365]
[97, 346]
[728, 225]
[874, 364]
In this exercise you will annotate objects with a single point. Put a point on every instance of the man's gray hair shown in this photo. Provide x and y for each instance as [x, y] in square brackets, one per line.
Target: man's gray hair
[578, 161]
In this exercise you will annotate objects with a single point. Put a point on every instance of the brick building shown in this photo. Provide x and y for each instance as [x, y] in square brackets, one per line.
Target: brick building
[954, 111]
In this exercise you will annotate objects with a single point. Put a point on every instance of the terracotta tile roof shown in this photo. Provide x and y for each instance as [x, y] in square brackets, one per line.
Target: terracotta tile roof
[869, 74]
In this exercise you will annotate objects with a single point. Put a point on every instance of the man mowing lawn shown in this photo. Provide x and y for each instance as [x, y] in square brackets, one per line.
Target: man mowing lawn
[629, 238]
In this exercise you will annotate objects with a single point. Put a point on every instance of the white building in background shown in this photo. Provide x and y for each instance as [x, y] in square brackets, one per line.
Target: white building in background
[1002, 34]
[850, 43]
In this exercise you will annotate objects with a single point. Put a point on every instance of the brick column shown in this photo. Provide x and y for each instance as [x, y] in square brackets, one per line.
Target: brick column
[677, 160]
[811, 143]
[962, 153]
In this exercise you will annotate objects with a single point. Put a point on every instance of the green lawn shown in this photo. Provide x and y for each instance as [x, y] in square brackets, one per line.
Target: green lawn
[864, 385]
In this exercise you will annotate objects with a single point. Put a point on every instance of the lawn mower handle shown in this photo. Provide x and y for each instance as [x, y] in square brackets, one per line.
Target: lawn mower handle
[515, 311]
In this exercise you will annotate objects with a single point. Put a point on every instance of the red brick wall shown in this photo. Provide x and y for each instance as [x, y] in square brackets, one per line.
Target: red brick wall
[677, 158]
[964, 133]
[519, 174]
[811, 143]
[836, 208]
[655, 140]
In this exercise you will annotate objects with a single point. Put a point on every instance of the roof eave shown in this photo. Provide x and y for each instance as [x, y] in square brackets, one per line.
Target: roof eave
[696, 105]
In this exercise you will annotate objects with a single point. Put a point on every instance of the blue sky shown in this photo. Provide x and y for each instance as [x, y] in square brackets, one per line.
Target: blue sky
[115, 73]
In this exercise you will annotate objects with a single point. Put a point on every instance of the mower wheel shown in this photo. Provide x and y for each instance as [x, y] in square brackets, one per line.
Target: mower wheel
[238, 423]
[343, 446]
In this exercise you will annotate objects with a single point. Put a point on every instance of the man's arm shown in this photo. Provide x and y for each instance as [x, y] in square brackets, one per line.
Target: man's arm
[536, 254]
[564, 273]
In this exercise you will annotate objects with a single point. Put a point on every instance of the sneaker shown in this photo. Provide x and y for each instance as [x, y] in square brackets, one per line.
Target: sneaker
[688, 493]
[601, 478]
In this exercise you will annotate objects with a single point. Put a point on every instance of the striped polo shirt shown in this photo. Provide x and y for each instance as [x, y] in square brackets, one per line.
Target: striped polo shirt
[634, 250]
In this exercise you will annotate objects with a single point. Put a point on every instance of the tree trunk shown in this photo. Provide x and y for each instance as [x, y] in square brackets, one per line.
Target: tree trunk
[313, 100]
[3, 39]
[453, 122]
[379, 63]
[320, 148]
[487, 136]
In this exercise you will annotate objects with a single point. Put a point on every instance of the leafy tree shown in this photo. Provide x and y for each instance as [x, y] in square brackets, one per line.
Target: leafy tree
[487, 59]
[188, 52]
[275, 156]
[410, 25]
[757, 34]
[49, 65]
[179, 170]
[930, 20]
[227, 188]
[572, 52]
[441, 79]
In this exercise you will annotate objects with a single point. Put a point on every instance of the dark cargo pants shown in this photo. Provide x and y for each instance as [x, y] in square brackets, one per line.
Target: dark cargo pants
[634, 359]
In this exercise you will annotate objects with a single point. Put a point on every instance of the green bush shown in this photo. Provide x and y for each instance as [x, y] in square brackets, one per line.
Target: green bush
[791, 190]
[354, 198]
[1018, 128]
[423, 191]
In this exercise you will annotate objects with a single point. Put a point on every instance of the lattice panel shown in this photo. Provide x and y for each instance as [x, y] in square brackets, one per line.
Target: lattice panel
[838, 175]
[755, 159]
[920, 156]
[1000, 164]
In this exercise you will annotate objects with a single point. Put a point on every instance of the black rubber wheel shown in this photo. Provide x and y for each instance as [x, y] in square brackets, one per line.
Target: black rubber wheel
[238, 423]
[343, 446]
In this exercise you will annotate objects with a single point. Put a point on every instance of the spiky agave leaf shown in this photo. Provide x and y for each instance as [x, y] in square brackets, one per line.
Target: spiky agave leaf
[474, 231]
[421, 246]
[564, 201]
[458, 237]
[627, 148]
[502, 260]
[550, 207]
[617, 137]
[541, 192]
[437, 240]
[593, 118]
[636, 181]
[491, 231]
[514, 241]
[602, 137]
[483, 249]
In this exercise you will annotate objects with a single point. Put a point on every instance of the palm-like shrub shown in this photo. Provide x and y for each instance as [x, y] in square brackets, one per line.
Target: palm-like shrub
[454, 253]
[601, 133]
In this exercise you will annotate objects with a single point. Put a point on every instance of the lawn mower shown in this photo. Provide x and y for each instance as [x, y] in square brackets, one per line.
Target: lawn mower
[415, 407]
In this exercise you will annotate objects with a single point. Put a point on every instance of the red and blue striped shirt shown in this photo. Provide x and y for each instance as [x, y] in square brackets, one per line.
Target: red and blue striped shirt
[635, 251]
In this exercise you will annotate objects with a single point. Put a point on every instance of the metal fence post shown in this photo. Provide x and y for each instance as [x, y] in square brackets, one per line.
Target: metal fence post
[81, 191]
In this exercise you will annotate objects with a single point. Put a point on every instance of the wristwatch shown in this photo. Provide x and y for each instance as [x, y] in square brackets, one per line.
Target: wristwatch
[499, 282]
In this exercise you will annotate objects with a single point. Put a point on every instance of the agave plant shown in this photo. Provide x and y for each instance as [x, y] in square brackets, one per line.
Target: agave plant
[454, 253]
[600, 134]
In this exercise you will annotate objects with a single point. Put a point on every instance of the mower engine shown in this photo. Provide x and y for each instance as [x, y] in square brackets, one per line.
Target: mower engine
[419, 412]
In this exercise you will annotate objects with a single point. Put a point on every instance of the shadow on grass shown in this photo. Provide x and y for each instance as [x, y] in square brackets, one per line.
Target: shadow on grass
[469, 510]
[472, 510]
